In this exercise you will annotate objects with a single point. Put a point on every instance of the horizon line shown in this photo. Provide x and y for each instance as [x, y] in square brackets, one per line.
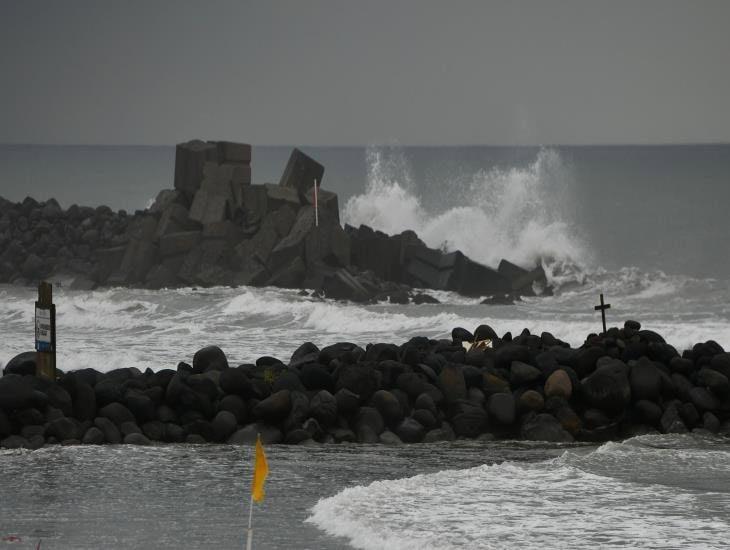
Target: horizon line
[389, 144]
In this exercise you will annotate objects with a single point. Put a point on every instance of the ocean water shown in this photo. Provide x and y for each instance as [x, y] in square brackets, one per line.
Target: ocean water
[647, 492]
[643, 225]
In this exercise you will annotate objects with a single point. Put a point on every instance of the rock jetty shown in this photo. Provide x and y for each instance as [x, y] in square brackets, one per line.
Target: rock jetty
[215, 227]
[625, 382]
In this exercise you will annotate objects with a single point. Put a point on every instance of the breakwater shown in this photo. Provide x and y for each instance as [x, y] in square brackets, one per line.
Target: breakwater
[477, 384]
[217, 228]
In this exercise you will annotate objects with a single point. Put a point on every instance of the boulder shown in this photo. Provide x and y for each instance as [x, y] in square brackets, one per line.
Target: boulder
[410, 430]
[109, 429]
[117, 413]
[531, 401]
[209, 358]
[522, 374]
[136, 438]
[63, 429]
[452, 382]
[223, 425]
[607, 388]
[93, 436]
[360, 379]
[323, 407]
[646, 381]
[388, 406]
[248, 435]
[544, 427]
[467, 419]
[347, 401]
[502, 408]
[370, 418]
[234, 381]
[22, 364]
[16, 392]
[274, 408]
[558, 384]
[236, 406]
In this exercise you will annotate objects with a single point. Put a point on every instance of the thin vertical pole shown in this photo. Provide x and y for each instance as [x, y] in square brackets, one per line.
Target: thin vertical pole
[249, 540]
[316, 205]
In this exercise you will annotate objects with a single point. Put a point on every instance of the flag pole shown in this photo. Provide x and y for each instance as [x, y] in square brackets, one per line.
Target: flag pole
[249, 540]
[316, 205]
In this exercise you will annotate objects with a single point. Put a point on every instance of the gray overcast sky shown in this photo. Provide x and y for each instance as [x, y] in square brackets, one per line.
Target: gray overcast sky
[347, 73]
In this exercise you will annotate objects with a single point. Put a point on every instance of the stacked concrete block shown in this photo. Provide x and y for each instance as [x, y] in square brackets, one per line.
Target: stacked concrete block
[301, 172]
[190, 158]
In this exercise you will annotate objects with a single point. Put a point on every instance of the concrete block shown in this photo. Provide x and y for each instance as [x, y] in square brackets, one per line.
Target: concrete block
[293, 244]
[165, 198]
[258, 247]
[327, 201]
[182, 242]
[342, 285]
[175, 218]
[228, 151]
[278, 196]
[190, 159]
[209, 207]
[289, 275]
[301, 171]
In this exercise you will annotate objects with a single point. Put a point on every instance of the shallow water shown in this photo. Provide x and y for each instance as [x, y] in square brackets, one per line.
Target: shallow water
[653, 491]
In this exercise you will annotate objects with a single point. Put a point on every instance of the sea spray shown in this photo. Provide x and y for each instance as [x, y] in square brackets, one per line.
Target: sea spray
[521, 214]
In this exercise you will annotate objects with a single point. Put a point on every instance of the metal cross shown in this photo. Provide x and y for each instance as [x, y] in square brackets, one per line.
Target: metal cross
[603, 307]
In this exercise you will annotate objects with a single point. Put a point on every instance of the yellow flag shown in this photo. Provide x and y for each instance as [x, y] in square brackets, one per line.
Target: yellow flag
[260, 471]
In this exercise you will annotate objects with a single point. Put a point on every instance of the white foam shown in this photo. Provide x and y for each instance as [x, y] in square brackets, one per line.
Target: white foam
[552, 504]
[517, 214]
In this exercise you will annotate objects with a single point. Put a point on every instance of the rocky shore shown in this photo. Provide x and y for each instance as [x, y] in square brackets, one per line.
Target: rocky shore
[216, 227]
[625, 382]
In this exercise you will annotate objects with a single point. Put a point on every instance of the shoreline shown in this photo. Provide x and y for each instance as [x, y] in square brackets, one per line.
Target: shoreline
[623, 383]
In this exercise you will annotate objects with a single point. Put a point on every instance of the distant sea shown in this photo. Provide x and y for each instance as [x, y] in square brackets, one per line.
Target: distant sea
[646, 226]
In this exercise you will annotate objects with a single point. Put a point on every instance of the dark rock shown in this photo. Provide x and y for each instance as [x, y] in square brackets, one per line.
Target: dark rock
[530, 401]
[129, 428]
[248, 435]
[63, 429]
[522, 374]
[426, 418]
[22, 364]
[154, 430]
[323, 407]
[703, 399]
[410, 431]
[607, 388]
[645, 380]
[452, 383]
[388, 406]
[491, 383]
[544, 427]
[224, 424]
[93, 436]
[710, 422]
[559, 384]
[109, 429]
[274, 408]
[714, 381]
[671, 422]
[236, 406]
[359, 378]
[315, 377]
[347, 401]
[371, 418]
[468, 420]
[117, 413]
[15, 442]
[648, 411]
[16, 392]
[174, 433]
[209, 358]
[444, 433]
[502, 408]
[136, 438]
[689, 415]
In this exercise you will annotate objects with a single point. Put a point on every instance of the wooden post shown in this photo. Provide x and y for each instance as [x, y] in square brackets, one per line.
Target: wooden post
[603, 307]
[45, 332]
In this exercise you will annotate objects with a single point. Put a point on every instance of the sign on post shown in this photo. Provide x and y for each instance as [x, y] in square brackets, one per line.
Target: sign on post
[45, 332]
